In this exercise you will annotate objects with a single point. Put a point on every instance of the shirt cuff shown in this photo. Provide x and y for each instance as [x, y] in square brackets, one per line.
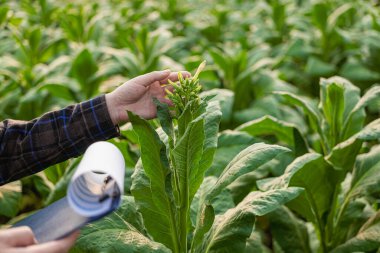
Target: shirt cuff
[98, 122]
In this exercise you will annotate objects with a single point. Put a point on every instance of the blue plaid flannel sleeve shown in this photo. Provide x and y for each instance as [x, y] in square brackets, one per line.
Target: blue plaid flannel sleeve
[27, 147]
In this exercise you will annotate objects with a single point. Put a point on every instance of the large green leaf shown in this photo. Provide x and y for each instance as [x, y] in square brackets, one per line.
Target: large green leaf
[242, 186]
[351, 92]
[153, 153]
[186, 156]
[344, 154]
[319, 180]
[288, 231]
[350, 220]
[309, 108]
[150, 184]
[311, 172]
[333, 104]
[159, 224]
[205, 220]
[246, 161]
[212, 118]
[230, 143]
[285, 132]
[355, 119]
[231, 230]
[10, 197]
[203, 215]
[221, 204]
[338, 98]
[307, 105]
[366, 176]
[121, 231]
[367, 240]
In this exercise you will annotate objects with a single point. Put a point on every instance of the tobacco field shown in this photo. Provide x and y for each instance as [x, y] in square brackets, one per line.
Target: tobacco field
[272, 146]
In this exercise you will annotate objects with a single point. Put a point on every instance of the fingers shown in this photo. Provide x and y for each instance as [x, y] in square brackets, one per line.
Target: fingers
[166, 101]
[59, 246]
[161, 76]
[169, 88]
[174, 77]
[149, 78]
[18, 237]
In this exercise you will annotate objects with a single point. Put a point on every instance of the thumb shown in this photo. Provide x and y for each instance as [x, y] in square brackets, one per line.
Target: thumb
[149, 78]
[18, 236]
[58, 246]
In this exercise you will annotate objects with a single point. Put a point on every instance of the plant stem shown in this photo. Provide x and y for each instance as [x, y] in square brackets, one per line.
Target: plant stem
[319, 222]
[330, 219]
[324, 145]
[173, 228]
[183, 213]
[341, 211]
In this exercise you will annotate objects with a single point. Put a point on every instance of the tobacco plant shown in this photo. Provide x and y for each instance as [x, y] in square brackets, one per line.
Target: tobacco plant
[178, 213]
[55, 53]
[338, 168]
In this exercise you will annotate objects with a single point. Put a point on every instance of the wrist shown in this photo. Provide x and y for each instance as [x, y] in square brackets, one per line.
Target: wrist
[112, 108]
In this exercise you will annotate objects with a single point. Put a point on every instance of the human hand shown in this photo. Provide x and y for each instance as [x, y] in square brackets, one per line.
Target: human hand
[22, 240]
[136, 95]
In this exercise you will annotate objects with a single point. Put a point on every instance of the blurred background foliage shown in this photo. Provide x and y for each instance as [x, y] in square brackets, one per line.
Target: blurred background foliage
[56, 53]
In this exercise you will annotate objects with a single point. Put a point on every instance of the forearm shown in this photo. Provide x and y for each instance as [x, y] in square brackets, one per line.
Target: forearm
[29, 147]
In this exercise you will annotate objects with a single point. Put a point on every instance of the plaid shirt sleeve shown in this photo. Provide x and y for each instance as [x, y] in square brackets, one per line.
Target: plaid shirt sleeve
[27, 147]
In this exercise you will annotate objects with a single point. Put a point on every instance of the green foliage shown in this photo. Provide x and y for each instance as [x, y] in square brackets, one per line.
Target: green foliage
[250, 158]
[366, 239]
[10, 196]
[334, 179]
[231, 229]
[284, 132]
[266, 59]
[176, 210]
[340, 114]
[289, 232]
[122, 231]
